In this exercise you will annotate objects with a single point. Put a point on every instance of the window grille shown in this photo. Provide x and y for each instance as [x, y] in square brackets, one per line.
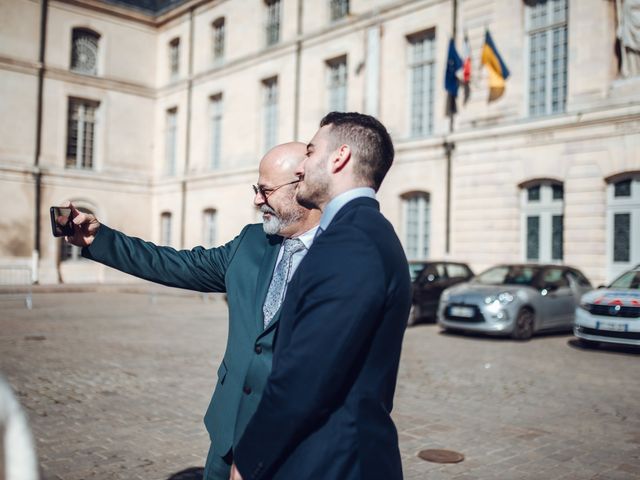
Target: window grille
[81, 132]
[84, 51]
[421, 74]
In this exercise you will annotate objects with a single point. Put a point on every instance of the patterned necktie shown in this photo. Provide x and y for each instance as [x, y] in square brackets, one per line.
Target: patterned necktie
[278, 283]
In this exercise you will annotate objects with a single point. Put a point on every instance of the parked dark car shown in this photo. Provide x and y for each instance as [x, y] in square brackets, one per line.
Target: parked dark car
[428, 285]
[415, 267]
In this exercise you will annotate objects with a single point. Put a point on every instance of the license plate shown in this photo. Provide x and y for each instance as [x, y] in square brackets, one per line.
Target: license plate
[612, 326]
[466, 312]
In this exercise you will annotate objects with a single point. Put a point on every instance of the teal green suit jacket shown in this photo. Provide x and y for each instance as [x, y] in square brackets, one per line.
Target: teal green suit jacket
[242, 268]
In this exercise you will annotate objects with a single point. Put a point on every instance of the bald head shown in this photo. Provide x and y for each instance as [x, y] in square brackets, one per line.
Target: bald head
[284, 158]
[282, 215]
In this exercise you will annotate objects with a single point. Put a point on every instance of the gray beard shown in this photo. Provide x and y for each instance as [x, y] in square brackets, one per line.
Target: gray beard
[272, 226]
[275, 224]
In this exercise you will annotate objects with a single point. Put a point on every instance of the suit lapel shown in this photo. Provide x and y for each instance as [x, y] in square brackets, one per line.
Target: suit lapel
[264, 277]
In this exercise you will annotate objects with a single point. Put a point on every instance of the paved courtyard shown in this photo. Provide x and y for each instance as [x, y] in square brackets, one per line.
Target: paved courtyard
[115, 386]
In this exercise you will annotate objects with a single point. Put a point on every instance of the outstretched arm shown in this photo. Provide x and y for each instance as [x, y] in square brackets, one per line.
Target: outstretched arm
[198, 269]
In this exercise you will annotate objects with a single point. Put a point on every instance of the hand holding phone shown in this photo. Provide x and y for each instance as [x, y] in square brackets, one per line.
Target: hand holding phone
[61, 221]
[79, 227]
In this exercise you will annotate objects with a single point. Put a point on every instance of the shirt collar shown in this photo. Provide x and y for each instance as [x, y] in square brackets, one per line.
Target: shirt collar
[307, 237]
[336, 203]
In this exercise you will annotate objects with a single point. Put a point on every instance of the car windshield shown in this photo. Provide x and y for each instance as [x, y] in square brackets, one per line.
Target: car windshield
[627, 280]
[508, 275]
[415, 269]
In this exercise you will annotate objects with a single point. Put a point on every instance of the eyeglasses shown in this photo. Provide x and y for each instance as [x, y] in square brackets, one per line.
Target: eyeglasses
[265, 192]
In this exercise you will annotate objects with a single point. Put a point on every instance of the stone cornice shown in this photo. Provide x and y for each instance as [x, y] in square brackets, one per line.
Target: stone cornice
[617, 120]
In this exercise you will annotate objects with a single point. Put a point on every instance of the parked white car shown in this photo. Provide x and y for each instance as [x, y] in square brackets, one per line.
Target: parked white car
[611, 314]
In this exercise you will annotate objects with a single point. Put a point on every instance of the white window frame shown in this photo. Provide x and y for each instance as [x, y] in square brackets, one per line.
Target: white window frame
[337, 83]
[338, 9]
[630, 205]
[171, 142]
[425, 62]
[273, 22]
[423, 225]
[166, 228]
[216, 110]
[174, 58]
[549, 27]
[209, 227]
[270, 112]
[82, 158]
[218, 33]
[545, 209]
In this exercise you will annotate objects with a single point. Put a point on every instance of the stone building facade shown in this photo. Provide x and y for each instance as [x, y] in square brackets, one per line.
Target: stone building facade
[154, 115]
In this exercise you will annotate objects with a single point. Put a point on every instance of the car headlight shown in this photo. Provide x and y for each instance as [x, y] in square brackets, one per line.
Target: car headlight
[503, 298]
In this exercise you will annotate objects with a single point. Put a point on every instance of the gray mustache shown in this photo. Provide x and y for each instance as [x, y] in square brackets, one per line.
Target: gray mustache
[267, 209]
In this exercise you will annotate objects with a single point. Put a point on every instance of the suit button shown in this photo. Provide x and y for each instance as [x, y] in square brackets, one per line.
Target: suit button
[258, 349]
[246, 390]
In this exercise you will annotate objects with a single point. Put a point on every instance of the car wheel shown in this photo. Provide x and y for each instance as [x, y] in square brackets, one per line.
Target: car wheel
[523, 329]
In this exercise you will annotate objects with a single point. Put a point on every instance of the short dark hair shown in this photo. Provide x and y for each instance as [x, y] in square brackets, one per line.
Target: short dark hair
[369, 141]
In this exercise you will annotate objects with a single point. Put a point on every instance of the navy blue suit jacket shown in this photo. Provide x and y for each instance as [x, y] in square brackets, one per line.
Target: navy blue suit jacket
[325, 412]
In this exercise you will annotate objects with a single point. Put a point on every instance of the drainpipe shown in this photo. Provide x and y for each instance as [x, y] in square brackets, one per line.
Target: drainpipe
[37, 174]
[187, 154]
[296, 92]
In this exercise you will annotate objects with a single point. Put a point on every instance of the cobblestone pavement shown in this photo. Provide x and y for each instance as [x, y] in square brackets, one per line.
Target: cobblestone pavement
[116, 385]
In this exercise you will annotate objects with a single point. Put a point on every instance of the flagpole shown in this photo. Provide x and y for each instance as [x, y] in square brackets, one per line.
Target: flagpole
[454, 29]
[449, 146]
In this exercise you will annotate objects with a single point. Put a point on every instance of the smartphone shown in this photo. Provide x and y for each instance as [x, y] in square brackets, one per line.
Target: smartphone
[61, 224]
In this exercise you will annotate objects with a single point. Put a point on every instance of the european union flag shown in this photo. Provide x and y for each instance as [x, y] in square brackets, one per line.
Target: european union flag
[454, 63]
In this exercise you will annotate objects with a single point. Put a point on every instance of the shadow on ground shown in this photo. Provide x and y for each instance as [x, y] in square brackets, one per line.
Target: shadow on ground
[191, 473]
[492, 337]
[604, 347]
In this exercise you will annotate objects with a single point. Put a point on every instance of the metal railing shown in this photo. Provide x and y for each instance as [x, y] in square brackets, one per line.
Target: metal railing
[20, 277]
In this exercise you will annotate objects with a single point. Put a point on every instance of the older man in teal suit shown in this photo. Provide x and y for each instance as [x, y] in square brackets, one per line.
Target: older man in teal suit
[243, 268]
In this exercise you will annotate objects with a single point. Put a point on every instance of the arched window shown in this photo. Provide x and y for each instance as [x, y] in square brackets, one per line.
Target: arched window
[70, 252]
[165, 228]
[417, 224]
[623, 222]
[542, 202]
[209, 227]
[84, 51]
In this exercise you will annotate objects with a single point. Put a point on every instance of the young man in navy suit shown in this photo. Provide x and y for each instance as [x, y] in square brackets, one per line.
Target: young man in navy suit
[325, 412]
